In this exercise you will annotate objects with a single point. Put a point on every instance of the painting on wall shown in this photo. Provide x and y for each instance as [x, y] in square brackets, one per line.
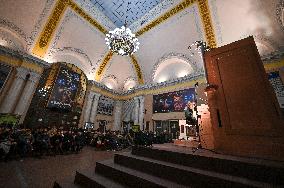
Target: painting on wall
[4, 74]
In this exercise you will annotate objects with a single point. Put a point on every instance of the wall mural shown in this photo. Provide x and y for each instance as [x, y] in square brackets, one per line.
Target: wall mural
[4, 74]
[105, 106]
[173, 102]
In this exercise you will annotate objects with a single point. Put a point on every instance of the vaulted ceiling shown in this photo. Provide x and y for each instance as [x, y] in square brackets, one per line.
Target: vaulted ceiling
[125, 11]
[74, 30]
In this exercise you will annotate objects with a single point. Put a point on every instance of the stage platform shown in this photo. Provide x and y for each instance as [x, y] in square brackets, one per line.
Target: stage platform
[210, 153]
[167, 165]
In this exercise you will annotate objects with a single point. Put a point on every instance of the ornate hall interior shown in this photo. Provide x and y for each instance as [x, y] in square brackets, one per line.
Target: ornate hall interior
[141, 93]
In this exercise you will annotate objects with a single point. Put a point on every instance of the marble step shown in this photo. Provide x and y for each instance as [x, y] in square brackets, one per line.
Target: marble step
[182, 174]
[89, 180]
[132, 178]
[254, 169]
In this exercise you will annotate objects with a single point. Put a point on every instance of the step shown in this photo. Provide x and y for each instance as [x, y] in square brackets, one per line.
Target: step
[66, 184]
[257, 171]
[182, 174]
[130, 177]
[89, 180]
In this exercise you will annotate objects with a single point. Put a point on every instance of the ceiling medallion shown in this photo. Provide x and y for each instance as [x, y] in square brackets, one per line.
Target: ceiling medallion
[122, 41]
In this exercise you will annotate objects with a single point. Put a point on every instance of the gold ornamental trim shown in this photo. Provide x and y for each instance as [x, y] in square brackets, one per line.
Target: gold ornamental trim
[137, 69]
[204, 15]
[103, 65]
[87, 17]
[32, 66]
[276, 65]
[207, 23]
[148, 91]
[165, 16]
[43, 41]
[10, 61]
[16, 62]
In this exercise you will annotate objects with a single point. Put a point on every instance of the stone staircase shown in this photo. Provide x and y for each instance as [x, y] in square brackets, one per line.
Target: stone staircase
[147, 167]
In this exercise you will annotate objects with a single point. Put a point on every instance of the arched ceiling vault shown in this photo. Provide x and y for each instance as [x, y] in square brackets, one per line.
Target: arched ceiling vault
[44, 40]
[78, 27]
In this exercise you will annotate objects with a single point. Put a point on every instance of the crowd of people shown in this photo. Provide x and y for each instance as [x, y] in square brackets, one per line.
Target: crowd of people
[21, 143]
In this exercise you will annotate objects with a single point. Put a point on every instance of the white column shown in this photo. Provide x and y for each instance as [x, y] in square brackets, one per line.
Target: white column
[117, 115]
[87, 111]
[141, 111]
[12, 95]
[26, 96]
[94, 107]
[136, 111]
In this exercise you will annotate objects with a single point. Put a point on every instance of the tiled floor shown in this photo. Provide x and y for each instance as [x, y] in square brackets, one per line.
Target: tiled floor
[41, 173]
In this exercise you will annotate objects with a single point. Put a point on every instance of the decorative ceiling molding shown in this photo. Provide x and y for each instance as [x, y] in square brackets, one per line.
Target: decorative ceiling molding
[125, 11]
[20, 58]
[96, 13]
[10, 43]
[43, 41]
[274, 56]
[70, 14]
[103, 65]
[267, 42]
[137, 69]
[40, 22]
[171, 55]
[126, 81]
[204, 14]
[14, 29]
[217, 24]
[75, 51]
[149, 89]
[207, 23]
[152, 14]
[130, 78]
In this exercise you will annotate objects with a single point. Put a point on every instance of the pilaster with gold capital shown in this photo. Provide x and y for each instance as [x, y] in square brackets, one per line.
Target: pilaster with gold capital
[14, 92]
[26, 95]
[94, 107]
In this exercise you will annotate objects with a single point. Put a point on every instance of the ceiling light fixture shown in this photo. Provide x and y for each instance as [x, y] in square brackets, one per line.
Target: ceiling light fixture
[122, 41]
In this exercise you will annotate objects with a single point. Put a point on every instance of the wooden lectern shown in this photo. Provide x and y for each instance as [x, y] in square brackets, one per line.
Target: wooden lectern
[245, 115]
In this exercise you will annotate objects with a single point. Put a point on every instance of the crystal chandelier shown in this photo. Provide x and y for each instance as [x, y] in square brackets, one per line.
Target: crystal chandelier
[122, 41]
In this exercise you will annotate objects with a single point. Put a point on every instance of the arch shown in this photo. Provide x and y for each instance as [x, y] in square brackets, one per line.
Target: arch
[13, 35]
[76, 51]
[265, 45]
[129, 83]
[110, 81]
[179, 56]
[74, 56]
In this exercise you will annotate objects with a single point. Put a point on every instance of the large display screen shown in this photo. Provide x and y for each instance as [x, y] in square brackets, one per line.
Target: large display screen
[64, 90]
[173, 101]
